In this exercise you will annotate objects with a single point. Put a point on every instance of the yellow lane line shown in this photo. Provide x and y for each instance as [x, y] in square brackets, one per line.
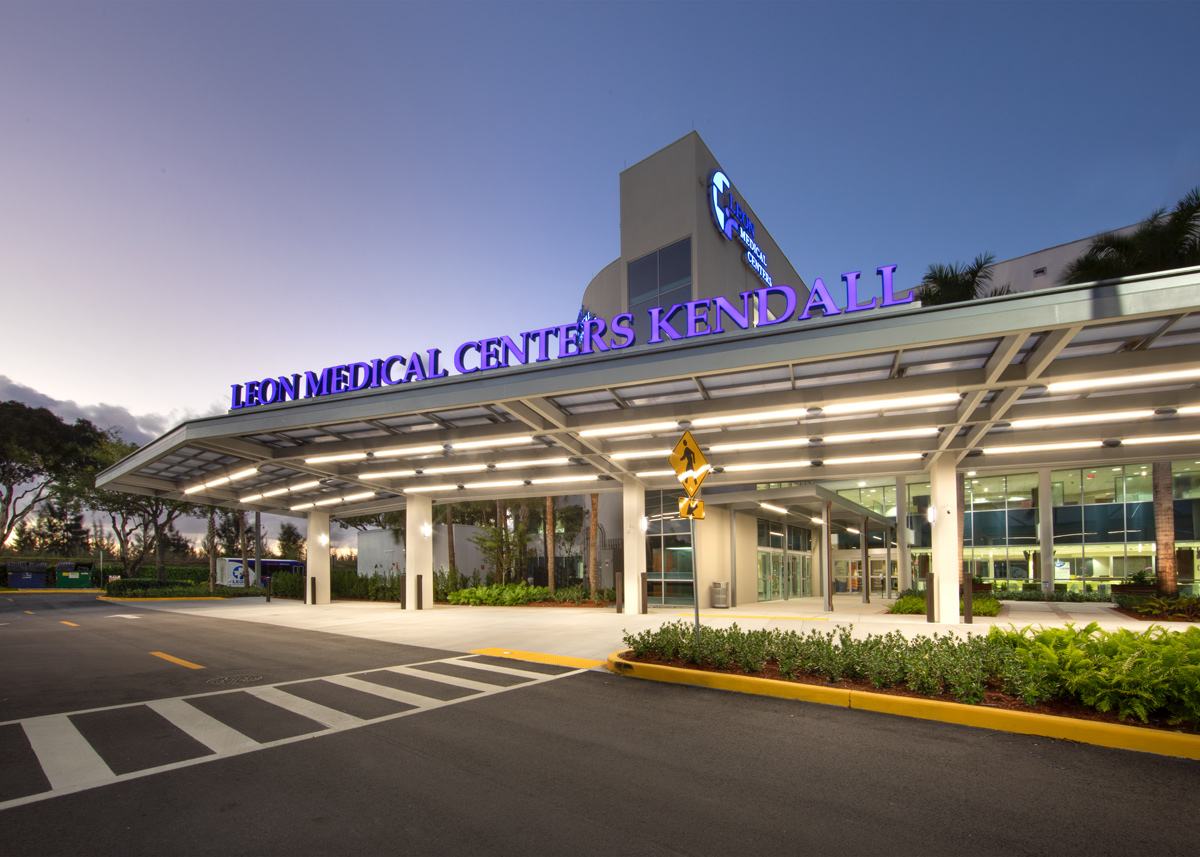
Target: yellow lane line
[745, 616]
[540, 658]
[65, 622]
[30, 612]
[180, 661]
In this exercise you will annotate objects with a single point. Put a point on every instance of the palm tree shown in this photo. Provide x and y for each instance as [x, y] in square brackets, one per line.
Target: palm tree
[1162, 242]
[955, 283]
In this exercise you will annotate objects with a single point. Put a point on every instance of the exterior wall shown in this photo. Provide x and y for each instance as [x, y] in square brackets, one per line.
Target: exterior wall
[665, 198]
[1018, 273]
[746, 535]
[711, 553]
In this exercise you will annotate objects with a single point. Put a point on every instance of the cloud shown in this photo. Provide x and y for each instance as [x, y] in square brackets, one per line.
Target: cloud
[133, 428]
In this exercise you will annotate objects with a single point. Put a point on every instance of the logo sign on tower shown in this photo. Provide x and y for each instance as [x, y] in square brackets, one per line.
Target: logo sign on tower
[733, 220]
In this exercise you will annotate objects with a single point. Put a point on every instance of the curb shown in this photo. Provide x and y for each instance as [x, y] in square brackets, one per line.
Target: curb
[1021, 722]
[49, 589]
[185, 598]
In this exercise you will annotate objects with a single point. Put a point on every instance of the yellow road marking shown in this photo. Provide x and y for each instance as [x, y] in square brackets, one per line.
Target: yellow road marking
[65, 622]
[540, 658]
[30, 612]
[741, 616]
[180, 661]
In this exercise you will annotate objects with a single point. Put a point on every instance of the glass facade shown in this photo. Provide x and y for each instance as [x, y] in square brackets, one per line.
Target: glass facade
[784, 561]
[668, 551]
[1102, 519]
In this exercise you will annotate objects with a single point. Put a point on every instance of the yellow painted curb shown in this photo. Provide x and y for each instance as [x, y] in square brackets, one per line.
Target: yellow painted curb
[746, 616]
[1000, 719]
[739, 683]
[540, 658]
[63, 591]
[191, 598]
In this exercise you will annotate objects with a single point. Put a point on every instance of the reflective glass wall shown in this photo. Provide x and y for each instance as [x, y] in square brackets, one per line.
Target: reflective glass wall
[668, 551]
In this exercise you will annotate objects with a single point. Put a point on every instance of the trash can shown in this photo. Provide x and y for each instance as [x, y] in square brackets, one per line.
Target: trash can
[720, 595]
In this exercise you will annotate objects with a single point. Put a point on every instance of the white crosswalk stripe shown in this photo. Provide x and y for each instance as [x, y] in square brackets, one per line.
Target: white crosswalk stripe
[71, 764]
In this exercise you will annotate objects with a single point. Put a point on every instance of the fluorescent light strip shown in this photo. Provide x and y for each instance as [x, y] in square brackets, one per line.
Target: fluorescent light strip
[637, 429]
[457, 468]
[1042, 447]
[762, 416]
[926, 431]
[388, 474]
[771, 508]
[590, 478]
[543, 462]
[398, 451]
[891, 404]
[1123, 380]
[499, 441]
[640, 453]
[645, 474]
[421, 489]
[212, 483]
[501, 483]
[759, 444]
[325, 459]
[1166, 438]
[871, 459]
[1081, 419]
[1190, 409]
[766, 465]
[303, 486]
[333, 501]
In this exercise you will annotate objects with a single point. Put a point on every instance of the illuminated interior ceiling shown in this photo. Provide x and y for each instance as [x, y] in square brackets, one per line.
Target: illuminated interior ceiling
[1105, 373]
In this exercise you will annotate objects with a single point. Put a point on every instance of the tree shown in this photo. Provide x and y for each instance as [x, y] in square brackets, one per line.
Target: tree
[140, 524]
[450, 559]
[1162, 242]
[1164, 530]
[593, 572]
[291, 543]
[949, 284]
[39, 456]
[210, 547]
[59, 530]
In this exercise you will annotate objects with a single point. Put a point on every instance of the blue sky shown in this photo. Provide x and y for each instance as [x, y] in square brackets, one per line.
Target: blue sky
[195, 195]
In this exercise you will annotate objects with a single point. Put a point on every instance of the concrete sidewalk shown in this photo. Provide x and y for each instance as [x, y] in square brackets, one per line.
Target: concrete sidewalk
[596, 633]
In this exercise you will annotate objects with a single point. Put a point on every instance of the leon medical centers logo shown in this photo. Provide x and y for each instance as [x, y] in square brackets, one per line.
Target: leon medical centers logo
[731, 219]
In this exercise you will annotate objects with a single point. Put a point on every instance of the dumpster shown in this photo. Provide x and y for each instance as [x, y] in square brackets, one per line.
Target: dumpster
[27, 575]
[720, 595]
[70, 575]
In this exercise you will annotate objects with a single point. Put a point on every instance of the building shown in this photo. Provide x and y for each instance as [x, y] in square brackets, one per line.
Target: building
[838, 433]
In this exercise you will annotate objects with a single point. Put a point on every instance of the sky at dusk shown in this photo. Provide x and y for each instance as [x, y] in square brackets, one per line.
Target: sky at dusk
[196, 195]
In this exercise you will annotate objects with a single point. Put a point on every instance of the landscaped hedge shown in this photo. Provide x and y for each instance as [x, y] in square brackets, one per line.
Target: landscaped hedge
[1152, 674]
[140, 588]
[915, 604]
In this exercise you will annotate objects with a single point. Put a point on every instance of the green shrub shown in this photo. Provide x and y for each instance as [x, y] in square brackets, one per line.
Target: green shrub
[505, 594]
[139, 588]
[908, 605]
[1152, 674]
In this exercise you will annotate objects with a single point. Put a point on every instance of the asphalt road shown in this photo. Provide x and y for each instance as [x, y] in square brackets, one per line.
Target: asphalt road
[515, 758]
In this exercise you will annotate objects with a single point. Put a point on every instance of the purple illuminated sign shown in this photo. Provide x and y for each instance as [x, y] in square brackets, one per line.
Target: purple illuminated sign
[731, 219]
[588, 335]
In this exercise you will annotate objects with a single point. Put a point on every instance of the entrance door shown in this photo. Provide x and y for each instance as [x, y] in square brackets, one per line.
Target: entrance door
[798, 581]
[770, 575]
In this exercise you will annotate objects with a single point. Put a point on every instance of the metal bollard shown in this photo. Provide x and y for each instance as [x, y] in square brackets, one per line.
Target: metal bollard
[968, 601]
[929, 596]
[420, 594]
[642, 608]
[313, 586]
[619, 583]
[267, 580]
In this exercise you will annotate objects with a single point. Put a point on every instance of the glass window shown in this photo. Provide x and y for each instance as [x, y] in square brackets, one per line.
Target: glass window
[1104, 522]
[1066, 485]
[661, 278]
[1138, 483]
[799, 539]
[1022, 491]
[1103, 485]
[1022, 527]
[1187, 479]
[1139, 522]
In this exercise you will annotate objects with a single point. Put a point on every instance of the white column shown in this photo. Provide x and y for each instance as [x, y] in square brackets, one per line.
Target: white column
[944, 561]
[418, 550]
[633, 505]
[1045, 530]
[318, 557]
[903, 559]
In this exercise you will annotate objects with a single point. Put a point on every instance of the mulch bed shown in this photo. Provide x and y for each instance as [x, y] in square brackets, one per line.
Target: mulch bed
[993, 696]
[1133, 614]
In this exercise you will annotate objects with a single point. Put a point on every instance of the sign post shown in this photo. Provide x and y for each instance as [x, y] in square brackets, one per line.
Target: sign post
[691, 467]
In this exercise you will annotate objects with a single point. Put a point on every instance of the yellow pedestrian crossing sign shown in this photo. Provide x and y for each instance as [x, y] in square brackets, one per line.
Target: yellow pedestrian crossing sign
[689, 463]
[689, 508]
